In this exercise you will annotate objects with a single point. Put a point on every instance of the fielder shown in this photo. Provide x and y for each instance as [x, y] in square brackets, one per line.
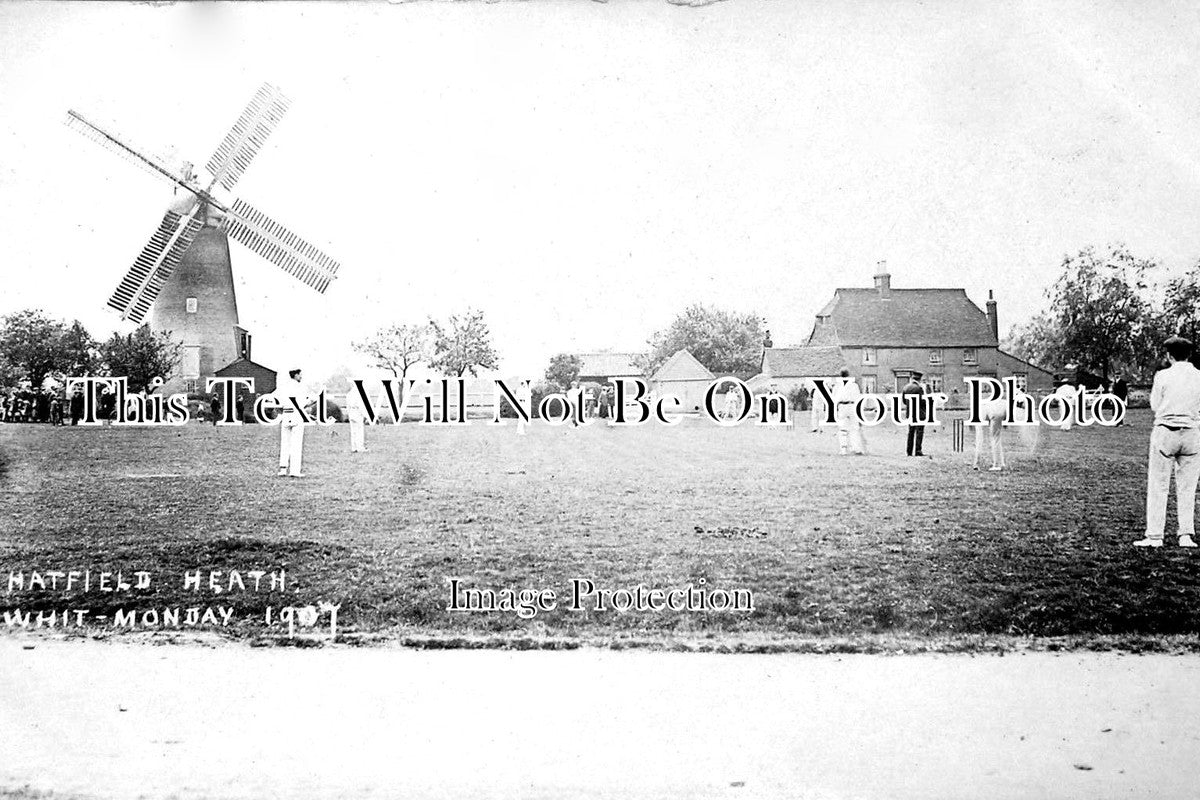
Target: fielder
[1174, 444]
[291, 424]
[356, 413]
[525, 397]
[845, 398]
[816, 408]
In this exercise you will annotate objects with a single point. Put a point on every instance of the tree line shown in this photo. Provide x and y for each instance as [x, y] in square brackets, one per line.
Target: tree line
[34, 347]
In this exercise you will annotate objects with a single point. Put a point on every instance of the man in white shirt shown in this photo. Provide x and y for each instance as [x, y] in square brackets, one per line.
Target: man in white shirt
[356, 414]
[845, 398]
[291, 424]
[1174, 443]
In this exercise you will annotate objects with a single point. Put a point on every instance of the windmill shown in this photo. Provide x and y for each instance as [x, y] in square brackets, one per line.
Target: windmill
[183, 277]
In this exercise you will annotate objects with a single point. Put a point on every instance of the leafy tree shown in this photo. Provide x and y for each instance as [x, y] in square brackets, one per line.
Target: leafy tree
[1181, 304]
[398, 348]
[30, 346]
[463, 344]
[1039, 341]
[141, 356]
[563, 371]
[726, 342]
[79, 352]
[1100, 316]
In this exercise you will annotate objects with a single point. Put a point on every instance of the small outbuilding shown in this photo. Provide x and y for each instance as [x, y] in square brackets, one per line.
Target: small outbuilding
[686, 378]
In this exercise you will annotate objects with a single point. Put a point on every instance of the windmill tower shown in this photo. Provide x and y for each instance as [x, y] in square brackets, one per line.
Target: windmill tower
[183, 278]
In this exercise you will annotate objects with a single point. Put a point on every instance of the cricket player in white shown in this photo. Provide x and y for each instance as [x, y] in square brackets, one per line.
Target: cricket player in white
[356, 413]
[845, 398]
[525, 397]
[1174, 443]
[291, 424]
[816, 407]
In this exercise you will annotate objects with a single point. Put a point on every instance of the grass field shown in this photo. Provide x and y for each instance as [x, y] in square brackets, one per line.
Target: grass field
[838, 549]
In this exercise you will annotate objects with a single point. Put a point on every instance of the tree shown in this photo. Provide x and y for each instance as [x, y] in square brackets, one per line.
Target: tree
[398, 348]
[463, 344]
[726, 342]
[1039, 341]
[1100, 316]
[30, 346]
[78, 351]
[563, 371]
[1181, 304]
[141, 356]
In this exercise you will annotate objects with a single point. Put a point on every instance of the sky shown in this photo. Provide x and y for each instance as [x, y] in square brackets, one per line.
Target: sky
[581, 172]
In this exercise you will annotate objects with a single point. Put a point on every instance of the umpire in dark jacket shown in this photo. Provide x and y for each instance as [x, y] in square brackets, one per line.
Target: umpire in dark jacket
[916, 433]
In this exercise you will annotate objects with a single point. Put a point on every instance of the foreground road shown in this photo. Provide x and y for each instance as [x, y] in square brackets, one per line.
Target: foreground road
[128, 720]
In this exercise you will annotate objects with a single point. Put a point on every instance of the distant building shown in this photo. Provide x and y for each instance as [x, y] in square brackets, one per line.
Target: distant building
[786, 369]
[264, 381]
[601, 367]
[685, 377]
[886, 335]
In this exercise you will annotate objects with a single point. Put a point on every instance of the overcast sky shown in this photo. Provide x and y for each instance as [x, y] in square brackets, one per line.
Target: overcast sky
[582, 171]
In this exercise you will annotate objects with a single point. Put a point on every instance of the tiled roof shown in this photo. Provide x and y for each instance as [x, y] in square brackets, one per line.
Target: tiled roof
[908, 318]
[608, 365]
[682, 366]
[802, 362]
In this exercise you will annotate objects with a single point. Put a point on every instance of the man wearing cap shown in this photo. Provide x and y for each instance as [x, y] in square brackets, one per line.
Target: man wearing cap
[916, 433]
[1174, 443]
[291, 424]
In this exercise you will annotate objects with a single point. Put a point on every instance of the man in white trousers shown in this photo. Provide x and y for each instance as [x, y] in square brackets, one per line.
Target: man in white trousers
[291, 424]
[845, 398]
[525, 396]
[356, 413]
[1174, 445]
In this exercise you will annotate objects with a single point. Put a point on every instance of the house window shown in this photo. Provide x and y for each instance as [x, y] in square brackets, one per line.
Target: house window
[868, 384]
[1022, 381]
[935, 356]
[937, 383]
[868, 356]
[189, 386]
[970, 356]
[191, 305]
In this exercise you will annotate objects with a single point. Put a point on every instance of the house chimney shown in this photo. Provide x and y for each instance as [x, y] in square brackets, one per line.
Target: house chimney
[883, 281]
[993, 319]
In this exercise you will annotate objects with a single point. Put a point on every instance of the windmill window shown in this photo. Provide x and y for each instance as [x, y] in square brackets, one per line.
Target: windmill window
[191, 305]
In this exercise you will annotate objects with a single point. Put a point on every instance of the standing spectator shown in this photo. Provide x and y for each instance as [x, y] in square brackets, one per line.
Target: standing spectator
[214, 407]
[1120, 390]
[76, 406]
[916, 433]
[1174, 445]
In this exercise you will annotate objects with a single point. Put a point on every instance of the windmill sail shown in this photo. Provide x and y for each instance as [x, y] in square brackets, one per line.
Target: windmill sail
[280, 246]
[158, 259]
[247, 136]
[141, 159]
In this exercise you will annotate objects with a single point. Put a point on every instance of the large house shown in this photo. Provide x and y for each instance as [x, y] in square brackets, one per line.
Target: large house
[885, 335]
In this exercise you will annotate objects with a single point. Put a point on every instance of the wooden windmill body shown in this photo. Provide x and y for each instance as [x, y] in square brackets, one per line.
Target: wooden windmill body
[182, 281]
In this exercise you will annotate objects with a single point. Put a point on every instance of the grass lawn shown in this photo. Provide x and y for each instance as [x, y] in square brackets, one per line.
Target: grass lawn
[834, 549]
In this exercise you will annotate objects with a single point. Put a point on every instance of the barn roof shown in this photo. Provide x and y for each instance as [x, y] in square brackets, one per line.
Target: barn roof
[905, 318]
[802, 362]
[606, 365]
[682, 366]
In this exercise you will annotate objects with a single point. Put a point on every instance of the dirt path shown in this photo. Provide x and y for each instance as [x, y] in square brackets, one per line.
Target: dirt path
[128, 720]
